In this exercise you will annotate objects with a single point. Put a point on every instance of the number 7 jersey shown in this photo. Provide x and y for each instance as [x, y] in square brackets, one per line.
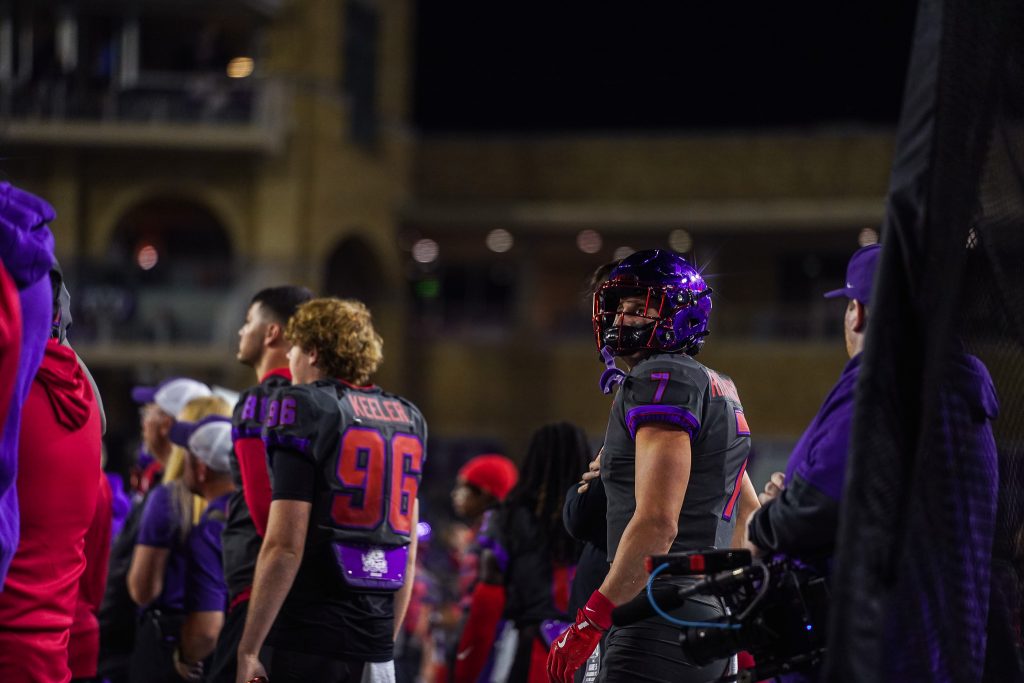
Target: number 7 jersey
[365, 448]
[676, 390]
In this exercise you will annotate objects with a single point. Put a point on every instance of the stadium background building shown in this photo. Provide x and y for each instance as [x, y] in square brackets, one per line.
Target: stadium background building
[197, 151]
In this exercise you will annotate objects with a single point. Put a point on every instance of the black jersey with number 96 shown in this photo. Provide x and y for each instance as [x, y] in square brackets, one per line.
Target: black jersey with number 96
[367, 448]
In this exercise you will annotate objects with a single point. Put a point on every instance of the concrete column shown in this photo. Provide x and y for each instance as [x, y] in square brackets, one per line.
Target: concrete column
[128, 71]
[6, 43]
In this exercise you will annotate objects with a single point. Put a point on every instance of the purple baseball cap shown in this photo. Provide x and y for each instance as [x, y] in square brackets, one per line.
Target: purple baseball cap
[860, 275]
[208, 439]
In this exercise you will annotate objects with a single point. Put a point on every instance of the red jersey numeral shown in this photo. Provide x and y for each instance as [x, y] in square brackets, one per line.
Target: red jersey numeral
[406, 465]
[361, 474]
[364, 461]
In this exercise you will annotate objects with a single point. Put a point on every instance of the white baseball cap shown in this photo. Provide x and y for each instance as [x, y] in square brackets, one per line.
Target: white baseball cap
[208, 439]
[172, 395]
[229, 395]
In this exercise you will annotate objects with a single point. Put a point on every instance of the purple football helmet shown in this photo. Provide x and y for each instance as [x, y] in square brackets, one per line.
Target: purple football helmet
[669, 295]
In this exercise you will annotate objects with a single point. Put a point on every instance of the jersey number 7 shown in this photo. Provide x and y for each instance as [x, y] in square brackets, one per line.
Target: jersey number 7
[365, 461]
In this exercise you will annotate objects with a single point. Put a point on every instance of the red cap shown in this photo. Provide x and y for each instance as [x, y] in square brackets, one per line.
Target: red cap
[492, 473]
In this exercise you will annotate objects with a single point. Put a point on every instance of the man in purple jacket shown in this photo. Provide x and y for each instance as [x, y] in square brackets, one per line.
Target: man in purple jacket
[801, 519]
[26, 250]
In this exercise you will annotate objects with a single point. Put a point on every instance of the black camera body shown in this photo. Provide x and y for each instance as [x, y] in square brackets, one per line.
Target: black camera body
[776, 611]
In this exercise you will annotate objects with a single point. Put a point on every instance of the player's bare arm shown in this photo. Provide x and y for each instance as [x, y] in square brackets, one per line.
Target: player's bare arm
[662, 473]
[405, 592]
[748, 503]
[276, 568]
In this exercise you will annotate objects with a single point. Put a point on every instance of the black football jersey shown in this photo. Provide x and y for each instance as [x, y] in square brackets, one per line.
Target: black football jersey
[368, 448]
[675, 389]
[241, 542]
[537, 588]
[357, 454]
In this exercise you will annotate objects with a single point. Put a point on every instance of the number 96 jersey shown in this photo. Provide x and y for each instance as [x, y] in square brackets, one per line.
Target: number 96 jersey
[355, 453]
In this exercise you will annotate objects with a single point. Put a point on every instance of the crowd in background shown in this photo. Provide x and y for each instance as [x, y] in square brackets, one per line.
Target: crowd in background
[157, 579]
[137, 580]
[279, 531]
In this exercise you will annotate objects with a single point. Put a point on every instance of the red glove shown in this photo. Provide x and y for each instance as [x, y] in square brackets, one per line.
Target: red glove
[572, 648]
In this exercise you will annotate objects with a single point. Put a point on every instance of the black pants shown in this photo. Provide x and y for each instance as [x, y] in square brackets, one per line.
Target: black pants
[224, 660]
[528, 633]
[649, 650]
[153, 658]
[408, 658]
[287, 666]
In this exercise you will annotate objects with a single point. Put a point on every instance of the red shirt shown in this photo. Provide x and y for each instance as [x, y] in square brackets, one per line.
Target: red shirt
[58, 482]
[84, 648]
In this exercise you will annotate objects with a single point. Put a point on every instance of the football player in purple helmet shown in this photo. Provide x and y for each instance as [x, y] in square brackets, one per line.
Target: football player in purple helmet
[673, 464]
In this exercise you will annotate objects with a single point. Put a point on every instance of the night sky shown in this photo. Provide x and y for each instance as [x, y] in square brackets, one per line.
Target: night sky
[673, 65]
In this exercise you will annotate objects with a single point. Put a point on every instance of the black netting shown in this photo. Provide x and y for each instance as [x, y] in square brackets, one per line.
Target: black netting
[928, 578]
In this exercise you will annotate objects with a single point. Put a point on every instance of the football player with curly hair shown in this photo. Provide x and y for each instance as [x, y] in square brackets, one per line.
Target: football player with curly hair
[334, 573]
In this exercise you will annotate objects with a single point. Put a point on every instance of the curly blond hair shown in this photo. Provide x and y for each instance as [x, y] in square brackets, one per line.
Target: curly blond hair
[341, 332]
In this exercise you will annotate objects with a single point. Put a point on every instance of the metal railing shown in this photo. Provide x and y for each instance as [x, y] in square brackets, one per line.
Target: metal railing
[45, 109]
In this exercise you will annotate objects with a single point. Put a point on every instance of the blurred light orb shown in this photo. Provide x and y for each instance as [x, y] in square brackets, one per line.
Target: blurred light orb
[623, 252]
[147, 257]
[589, 241]
[241, 67]
[680, 241]
[425, 251]
[499, 240]
[867, 236]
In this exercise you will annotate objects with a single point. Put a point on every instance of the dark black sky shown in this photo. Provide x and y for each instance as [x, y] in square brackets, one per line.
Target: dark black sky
[678, 64]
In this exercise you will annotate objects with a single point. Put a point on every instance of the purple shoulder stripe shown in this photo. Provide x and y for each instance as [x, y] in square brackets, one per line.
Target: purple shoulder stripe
[272, 439]
[667, 414]
[246, 433]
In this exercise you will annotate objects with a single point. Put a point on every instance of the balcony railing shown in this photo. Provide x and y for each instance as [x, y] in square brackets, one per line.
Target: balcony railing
[260, 8]
[160, 110]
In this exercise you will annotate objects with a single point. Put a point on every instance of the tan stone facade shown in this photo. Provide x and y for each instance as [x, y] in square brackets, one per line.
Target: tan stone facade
[289, 193]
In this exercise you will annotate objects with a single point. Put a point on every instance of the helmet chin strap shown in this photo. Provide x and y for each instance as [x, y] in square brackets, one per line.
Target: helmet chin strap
[611, 376]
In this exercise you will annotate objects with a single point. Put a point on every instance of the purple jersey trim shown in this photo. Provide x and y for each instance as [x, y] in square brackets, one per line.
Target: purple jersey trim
[246, 432]
[662, 379]
[272, 439]
[500, 554]
[673, 415]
